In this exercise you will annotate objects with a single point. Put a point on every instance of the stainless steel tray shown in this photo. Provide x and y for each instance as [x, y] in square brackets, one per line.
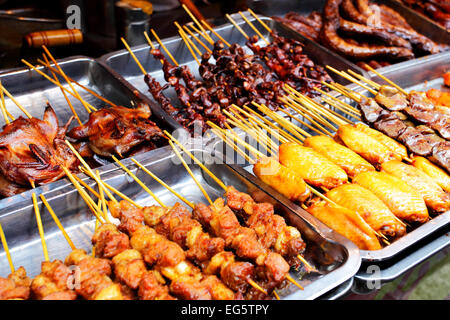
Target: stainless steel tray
[33, 91]
[415, 20]
[122, 64]
[336, 258]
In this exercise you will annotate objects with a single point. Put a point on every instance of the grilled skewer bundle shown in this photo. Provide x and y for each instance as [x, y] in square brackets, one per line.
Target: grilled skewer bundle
[363, 31]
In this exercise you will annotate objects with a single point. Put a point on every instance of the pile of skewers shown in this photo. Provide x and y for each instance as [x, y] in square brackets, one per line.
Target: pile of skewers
[235, 76]
[235, 248]
[363, 32]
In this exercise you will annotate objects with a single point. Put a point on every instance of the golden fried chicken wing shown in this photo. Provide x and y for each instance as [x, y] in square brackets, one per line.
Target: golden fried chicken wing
[393, 145]
[365, 145]
[435, 198]
[314, 168]
[405, 202]
[285, 181]
[434, 172]
[369, 207]
[346, 222]
[351, 162]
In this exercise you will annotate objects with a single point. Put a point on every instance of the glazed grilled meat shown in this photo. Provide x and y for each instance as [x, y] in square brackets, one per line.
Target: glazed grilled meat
[34, 150]
[116, 130]
[16, 286]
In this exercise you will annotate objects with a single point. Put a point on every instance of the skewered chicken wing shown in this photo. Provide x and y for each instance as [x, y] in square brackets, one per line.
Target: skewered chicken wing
[345, 158]
[365, 145]
[372, 210]
[401, 199]
[435, 198]
[393, 145]
[285, 181]
[434, 172]
[314, 168]
[346, 222]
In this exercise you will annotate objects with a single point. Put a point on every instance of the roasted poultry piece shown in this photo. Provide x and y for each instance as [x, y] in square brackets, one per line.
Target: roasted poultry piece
[116, 130]
[405, 202]
[346, 222]
[365, 145]
[285, 181]
[435, 198]
[34, 150]
[369, 207]
[314, 168]
[16, 286]
[434, 172]
[345, 158]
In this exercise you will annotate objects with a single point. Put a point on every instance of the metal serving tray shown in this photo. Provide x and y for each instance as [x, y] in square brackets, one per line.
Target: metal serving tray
[33, 91]
[336, 258]
[123, 65]
[305, 7]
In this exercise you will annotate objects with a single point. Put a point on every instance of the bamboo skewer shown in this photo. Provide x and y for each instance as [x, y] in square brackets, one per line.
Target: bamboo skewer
[3, 89]
[95, 94]
[188, 39]
[368, 81]
[67, 79]
[54, 82]
[216, 34]
[254, 28]
[102, 200]
[164, 47]
[47, 64]
[237, 26]
[190, 172]
[39, 223]
[197, 23]
[337, 106]
[57, 221]
[165, 185]
[303, 122]
[386, 79]
[259, 20]
[144, 72]
[3, 106]
[150, 192]
[188, 45]
[6, 248]
[206, 37]
[226, 139]
[197, 39]
[349, 108]
[352, 79]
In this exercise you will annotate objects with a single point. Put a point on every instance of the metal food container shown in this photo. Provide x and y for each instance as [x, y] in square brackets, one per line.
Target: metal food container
[305, 7]
[336, 258]
[123, 65]
[33, 91]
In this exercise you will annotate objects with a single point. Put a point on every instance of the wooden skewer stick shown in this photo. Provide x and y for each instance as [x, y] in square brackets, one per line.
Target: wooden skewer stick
[337, 106]
[304, 113]
[6, 248]
[3, 89]
[165, 185]
[47, 64]
[197, 39]
[303, 122]
[254, 28]
[368, 81]
[54, 82]
[3, 106]
[342, 103]
[233, 144]
[190, 172]
[386, 79]
[198, 162]
[259, 20]
[39, 223]
[276, 295]
[215, 33]
[204, 36]
[114, 190]
[84, 184]
[329, 112]
[144, 72]
[57, 221]
[95, 94]
[131, 174]
[164, 47]
[193, 46]
[351, 79]
[308, 267]
[67, 79]
[253, 134]
[102, 201]
[188, 45]
[203, 31]
[292, 280]
[342, 92]
[237, 26]
[84, 195]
